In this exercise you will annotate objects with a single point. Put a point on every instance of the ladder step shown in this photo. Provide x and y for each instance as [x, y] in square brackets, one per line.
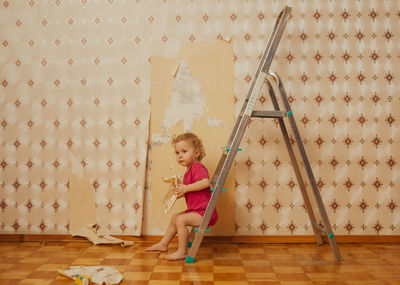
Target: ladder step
[223, 189]
[268, 114]
[196, 230]
[330, 235]
[228, 148]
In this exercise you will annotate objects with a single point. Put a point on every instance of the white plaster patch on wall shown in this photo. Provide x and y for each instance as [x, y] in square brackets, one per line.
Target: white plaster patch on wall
[212, 122]
[187, 101]
[160, 139]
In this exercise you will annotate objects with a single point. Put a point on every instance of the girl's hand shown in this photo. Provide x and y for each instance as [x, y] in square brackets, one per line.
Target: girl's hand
[180, 190]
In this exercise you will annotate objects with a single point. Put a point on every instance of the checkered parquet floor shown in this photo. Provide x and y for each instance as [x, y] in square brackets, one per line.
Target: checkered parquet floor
[216, 263]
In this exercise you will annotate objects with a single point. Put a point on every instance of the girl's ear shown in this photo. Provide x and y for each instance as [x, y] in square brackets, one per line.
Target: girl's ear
[197, 153]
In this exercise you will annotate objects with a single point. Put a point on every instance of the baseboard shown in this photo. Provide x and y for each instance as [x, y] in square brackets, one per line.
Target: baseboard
[311, 239]
[211, 239]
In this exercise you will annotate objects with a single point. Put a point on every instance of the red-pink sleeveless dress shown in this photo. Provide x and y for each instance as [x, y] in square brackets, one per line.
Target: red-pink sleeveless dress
[197, 201]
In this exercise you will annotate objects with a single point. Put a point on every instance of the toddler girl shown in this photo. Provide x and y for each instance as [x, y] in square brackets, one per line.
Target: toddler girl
[196, 190]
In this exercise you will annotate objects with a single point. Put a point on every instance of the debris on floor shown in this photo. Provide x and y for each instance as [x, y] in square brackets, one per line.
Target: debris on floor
[89, 232]
[97, 274]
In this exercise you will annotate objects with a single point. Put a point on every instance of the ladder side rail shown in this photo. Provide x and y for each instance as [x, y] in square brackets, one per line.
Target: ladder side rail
[220, 180]
[321, 207]
[296, 167]
[283, 18]
[266, 59]
[218, 169]
[220, 177]
[219, 183]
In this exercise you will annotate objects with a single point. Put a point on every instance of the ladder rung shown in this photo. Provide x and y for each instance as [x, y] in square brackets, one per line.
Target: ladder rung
[319, 227]
[268, 114]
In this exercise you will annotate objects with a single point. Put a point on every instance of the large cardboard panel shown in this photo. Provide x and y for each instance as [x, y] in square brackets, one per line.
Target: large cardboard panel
[208, 65]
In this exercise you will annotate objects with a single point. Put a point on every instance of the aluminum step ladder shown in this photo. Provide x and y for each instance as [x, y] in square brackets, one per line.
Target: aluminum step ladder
[264, 76]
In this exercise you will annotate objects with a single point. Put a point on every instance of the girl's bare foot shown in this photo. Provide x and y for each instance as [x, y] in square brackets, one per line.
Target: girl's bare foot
[176, 256]
[157, 247]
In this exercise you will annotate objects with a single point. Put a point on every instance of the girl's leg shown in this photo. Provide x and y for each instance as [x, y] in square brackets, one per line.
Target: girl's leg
[181, 222]
[162, 245]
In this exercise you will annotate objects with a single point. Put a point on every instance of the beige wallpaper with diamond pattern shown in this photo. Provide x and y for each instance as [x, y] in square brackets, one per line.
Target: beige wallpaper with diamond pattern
[75, 78]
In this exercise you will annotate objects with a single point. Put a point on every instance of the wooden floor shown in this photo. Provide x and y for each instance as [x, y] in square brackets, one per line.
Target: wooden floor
[216, 263]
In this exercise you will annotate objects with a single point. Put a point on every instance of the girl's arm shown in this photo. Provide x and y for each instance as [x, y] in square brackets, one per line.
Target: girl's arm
[198, 185]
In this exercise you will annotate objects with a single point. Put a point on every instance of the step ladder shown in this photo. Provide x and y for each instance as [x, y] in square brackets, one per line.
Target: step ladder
[264, 76]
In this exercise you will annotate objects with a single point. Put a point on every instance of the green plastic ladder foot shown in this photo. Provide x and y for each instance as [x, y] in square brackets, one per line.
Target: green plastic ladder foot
[290, 113]
[189, 244]
[189, 259]
[330, 236]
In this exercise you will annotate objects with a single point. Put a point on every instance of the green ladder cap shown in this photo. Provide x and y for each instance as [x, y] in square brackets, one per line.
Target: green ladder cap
[223, 189]
[228, 149]
[196, 230]
[189, 259]
[330, 236]
[290, 113]
[189, 244]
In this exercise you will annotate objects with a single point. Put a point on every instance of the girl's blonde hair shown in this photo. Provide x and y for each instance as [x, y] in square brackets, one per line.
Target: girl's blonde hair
[194, 140]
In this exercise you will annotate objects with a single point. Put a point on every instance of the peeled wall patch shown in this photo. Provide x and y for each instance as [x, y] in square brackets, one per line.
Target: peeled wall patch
[212, 122]
[193, 91]
[187, 101]
[81, 211]
[160, 139]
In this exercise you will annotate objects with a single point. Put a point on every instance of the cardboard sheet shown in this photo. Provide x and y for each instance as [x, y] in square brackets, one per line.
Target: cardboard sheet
[82, 211]
[89, 232]
[192, 92]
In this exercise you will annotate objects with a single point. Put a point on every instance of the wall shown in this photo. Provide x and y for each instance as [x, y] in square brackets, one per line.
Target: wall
[338, 61]
[74, 87]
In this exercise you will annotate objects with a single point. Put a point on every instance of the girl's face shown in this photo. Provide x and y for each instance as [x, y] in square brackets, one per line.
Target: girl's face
[185, 153]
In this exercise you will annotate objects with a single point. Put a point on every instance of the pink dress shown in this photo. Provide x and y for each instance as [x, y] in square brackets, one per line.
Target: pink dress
[197, 201]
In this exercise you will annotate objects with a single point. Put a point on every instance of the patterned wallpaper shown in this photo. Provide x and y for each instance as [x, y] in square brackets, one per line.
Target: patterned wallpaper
[74, 81]
[75, 77]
